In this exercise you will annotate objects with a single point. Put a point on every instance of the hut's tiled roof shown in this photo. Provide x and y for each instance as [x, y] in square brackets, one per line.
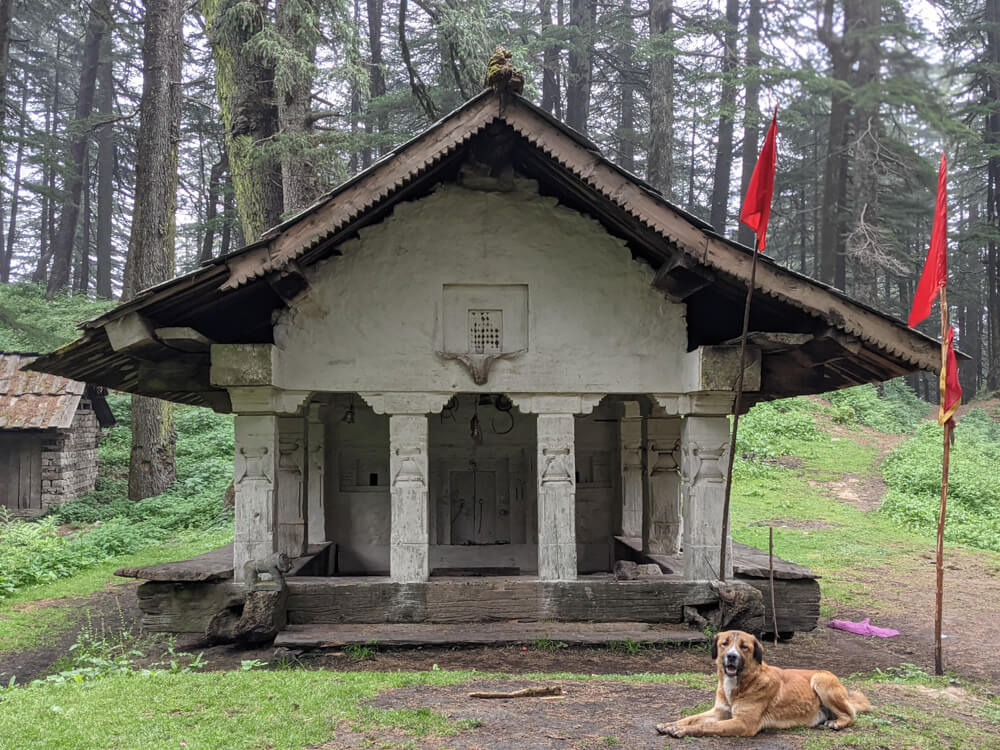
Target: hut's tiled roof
[35, 400]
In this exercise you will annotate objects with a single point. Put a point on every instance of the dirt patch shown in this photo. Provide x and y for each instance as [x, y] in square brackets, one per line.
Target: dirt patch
[862, 492]
[108, 611]
[591, 714]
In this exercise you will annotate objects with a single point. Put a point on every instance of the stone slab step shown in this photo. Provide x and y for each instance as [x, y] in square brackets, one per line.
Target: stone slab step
[483, 634]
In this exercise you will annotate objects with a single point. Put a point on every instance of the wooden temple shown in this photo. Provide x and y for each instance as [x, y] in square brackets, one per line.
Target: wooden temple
[474, 378]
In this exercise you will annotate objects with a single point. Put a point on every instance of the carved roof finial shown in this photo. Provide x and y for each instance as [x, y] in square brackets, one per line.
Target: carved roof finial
[501, 76]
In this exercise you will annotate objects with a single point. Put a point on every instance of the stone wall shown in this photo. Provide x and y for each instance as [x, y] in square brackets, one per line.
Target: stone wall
[69, 458]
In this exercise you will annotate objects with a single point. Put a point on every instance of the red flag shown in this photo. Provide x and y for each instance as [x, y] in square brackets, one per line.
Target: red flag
[951, 389]
[935, 274]
[757, 203]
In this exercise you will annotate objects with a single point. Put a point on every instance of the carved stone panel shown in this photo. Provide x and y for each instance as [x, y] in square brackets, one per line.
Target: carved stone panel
[255, 480]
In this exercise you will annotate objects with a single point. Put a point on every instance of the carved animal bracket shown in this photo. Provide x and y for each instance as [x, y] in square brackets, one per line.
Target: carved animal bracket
[479, 365]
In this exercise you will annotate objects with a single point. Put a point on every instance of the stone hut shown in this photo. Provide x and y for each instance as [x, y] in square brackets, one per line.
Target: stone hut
[473, 377]
[49, 430]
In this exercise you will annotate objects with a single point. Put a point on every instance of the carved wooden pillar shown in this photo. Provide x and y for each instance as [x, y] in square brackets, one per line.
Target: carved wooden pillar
[556, 497]
[661, 522]
[255, 479]
[630, 435]
[704, 452]
[316, 504]
[292, 486]
[410, 529]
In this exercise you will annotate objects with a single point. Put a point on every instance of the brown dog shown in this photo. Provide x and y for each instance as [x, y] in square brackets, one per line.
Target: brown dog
[753, 695]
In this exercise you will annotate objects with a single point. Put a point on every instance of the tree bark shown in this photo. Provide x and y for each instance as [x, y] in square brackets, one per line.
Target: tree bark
[81, 278]
[992, 138]
[843, 53]
[8, 255]
[296, 22]
[865, 245]
[751, 115]
[727, 108]
[551, 100]
[661, 96]
[245, 86]
[4, 55]
[105, 172]
[215, 187]
[47, 218]
[151, 243]
[416, 84]
[62, 248]
[626, 120]
[582, 16]
[376, 126]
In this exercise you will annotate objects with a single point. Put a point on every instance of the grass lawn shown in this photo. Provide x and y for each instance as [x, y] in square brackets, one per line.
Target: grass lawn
[842, 541]
[34, 614]
[301, 708]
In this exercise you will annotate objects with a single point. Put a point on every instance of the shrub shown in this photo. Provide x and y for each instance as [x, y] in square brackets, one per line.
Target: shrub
[913, 473]
[36, 552]
[898, 409]
[772, 428]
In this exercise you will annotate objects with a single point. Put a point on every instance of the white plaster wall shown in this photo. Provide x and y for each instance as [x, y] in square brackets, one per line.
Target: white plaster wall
[357, 512]
[373, 318]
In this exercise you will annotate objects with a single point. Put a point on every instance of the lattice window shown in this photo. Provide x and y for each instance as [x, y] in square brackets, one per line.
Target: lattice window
[486, 331]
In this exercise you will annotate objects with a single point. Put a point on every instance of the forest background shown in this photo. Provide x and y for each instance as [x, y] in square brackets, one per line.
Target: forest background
[138, 140]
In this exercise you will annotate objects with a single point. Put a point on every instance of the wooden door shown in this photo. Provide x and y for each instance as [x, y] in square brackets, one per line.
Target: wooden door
[21, 472]
[473, 496]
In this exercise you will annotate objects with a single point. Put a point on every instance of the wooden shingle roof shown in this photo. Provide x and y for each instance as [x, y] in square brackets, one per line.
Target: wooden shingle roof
[814, 338]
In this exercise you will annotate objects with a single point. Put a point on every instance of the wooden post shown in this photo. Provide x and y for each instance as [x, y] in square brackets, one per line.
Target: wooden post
[770, 575]
[255, 479]
[939, 565]
[737, 408]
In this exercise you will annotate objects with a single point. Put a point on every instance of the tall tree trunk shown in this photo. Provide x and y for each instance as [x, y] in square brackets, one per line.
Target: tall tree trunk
[992, 138]
[551, 100]
[582, 16]
[661, 96]
[62, 249]
[865, 244]
[727, 109]
[843, 54]
[81, 279]
[151, 243]
[4, 54]
[751, 117]
[376, 82]
[7, 259]
[296, 22]
[416, 84]
[105, 172]
[212, 209]
[245, 85]
[47, 220]
[229, 223]
[626, 121]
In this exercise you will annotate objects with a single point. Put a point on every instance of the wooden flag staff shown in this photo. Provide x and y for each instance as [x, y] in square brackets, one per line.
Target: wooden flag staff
[737, 408]
[948, 427]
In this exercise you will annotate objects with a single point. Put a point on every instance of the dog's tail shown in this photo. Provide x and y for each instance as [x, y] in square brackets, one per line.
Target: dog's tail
[858, 701]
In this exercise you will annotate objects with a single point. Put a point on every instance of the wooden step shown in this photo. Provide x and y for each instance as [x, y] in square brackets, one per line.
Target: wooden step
[484, 634]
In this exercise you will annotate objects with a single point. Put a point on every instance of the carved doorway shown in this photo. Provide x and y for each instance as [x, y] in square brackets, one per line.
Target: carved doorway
[473, 496]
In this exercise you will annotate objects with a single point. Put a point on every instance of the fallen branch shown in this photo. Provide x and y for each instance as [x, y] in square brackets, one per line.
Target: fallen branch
[531, 692]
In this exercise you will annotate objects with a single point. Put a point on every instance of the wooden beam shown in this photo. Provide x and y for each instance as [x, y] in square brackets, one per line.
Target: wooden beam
[183, 338]
[681, 276]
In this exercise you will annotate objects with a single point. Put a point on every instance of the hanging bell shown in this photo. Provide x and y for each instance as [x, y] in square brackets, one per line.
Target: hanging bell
[475, 430]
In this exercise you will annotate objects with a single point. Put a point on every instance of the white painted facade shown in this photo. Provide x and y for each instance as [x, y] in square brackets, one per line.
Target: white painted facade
[467, 293]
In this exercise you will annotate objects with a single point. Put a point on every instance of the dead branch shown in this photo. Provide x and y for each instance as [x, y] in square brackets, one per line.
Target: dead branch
[531, 692]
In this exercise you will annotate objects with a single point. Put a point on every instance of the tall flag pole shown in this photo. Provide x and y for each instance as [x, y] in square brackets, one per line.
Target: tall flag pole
[933, 283]
[756, 214]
